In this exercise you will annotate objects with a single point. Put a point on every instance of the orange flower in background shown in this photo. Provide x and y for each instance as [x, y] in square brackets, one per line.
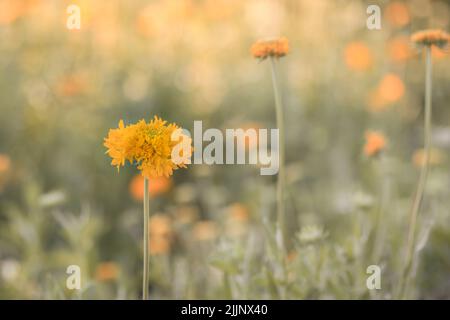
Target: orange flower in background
[436, 157]
[5, 163]
[160, 225]
[399, 49]
[107, 271]
[149, 146]
[358, 56]
[431, 37]
[238, 212]
[237, 219]
[375, 143]
[11, 10]
[161, 234]
[157, 186]
[391, 88]
[205, 230]
[159, 246]
[71, 85]
[276, 48]
[397, 14]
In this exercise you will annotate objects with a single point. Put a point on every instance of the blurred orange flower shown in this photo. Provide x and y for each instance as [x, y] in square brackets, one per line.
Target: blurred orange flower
[375, 143]
[399, 49]
[358, 56]
[397, 14]
[205, 230]
[238, 212]
[438, 53]
[159, 246]
[157, 186]
[390, 90]
[431, 37]
[160, 225]
[71, 85]
[436, 157]
[5, 163]
[277, 48]
[11, 10]
[107, 271]
[161, 234]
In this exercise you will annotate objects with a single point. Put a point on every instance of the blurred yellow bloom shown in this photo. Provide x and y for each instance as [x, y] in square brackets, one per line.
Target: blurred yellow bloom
[375, 143]
[436, 157]
[397, 13]
[157, 186]
[149, 145]
[358, 56]
[431, 37]
[107, 271]
[277, 48]
[205, 230]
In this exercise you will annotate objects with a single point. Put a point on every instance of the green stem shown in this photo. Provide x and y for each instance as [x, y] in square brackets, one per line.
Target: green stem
[146, 236]
[409, 262]
[281, 175]
[379, 231]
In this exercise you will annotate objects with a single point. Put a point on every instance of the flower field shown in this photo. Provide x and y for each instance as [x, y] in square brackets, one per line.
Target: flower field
[358, 204]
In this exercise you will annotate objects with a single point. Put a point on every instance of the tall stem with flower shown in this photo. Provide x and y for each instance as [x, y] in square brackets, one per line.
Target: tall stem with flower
[155, 148]
[274, 49]
[425, 39]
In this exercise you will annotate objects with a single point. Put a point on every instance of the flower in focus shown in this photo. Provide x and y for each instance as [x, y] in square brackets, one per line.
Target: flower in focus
[149, 146]
[375, 143]
[358, 56]
[436, 157]
[431, 37]
[106, 271]
[156, 186]
[277, 48]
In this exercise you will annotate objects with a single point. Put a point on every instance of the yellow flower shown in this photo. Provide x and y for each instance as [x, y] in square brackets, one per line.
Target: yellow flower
[430, 37]
[270, 48]
[148, 145]
[375, 143]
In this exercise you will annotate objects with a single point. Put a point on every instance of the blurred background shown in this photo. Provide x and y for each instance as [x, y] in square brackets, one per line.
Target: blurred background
[212, 227]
